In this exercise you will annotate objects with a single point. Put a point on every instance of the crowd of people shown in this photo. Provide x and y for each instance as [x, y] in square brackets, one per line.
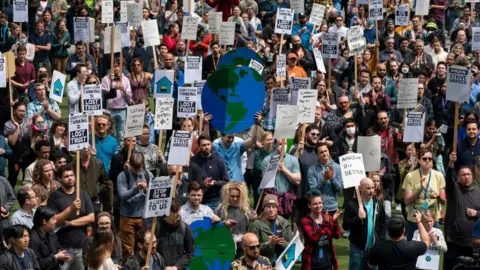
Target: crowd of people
[423, 203]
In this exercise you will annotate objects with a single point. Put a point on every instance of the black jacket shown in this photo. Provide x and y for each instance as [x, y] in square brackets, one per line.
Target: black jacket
[45, 247]
[175, 243]
[211, 167]
[136, 262]
[358, 227]
[8, 261]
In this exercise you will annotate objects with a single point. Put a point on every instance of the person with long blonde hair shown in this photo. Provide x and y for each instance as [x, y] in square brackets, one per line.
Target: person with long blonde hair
[99, 254]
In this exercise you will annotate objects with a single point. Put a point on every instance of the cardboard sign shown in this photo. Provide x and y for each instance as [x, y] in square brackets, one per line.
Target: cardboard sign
[370, 148]
[20, 11]
[187, 102]
[135, 120]
[401, 15]
[158, 200]
[414, 127]
[318, 12]
[92, 99]
[78, 132]
[458, 83]
[193, 69]
[10, 60]
[180, 146]
[189, 27]
[268, 179]
[107, 39]
[163, 113]
[150, 33]
[57, 86]
[330, 45]
[286, 121]
[284, 21]
[353, 171]
[135, 14]
[282, 66]
[227, 33]
[163, 83]
[356, 40]
[289, 256]
[319, 60]
[298, 6]
[214, 22]
[297, 83]
[199, 85]
[407, 93]
[107, 11]
[375, 10]
[307, 104]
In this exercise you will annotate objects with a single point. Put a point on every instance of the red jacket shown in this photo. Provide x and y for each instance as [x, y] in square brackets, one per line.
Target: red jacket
[202, 46]
[171, 43]
[224, 6]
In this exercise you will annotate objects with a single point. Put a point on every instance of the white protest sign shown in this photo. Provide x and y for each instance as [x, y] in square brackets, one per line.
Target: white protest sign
[375, 10]
[356, 40]
[163, 83]
[286, 121]
[107, 38]
[401, 15]
[319, 60]
[443, 129]
[91, 31]
[330, 45]
[20, 11]
[163, 113]
[107, 11]
[180, 146]
[370, 148]
[287, 259]
[189, 27]
[199, 85]
[256, 66]
[187, 102]
[124, 34]
[475, 39]
[135, 120]
[135, 14]
[78, 131]
[193, 69]
[430, 260]
[282, 66]
[280, 96]
[214, 22]
[307, 104]
[227, 33]
[82, 29]
[284, 21]
[124, 10]
[298, 6]
[268, 179]
[414, 127]
[297, 83]
[150, 33]
[421, 8]
[352, 169]
[158, 199]
[407, 93]
[92, 99]
[318, 12]
[57, 86]
[458, 83]
[3, 71]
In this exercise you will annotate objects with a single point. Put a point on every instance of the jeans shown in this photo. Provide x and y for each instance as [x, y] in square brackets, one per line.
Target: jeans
[412, 227]
[76, 263]
[213, 203]
[119, 117]
[358, 259]
[128, 227]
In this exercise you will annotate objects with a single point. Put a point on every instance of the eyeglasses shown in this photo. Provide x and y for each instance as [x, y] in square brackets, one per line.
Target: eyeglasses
[253, 247]
[427, 158]
[315, 134]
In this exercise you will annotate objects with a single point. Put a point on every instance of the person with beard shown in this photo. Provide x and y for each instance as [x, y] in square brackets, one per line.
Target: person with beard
[436, 83]
[416, 32]
[214, 172]
[292, 69]
[211, 61]
[419, 60]
[444, 111]
[463, 209]
[439, 55]
[388, 83]
[339, 27]
[377, 96]
[424, 101]
[404, 49]
[390, 52]
[390, 136]
[142, 243]
[304, 31]
[173, 37]
[344, 111]
[468, 147]
[366, 223]
[251, 258]
[389, 32]
[180, 51]
[306, 59]
[80, 57]
[193, 210]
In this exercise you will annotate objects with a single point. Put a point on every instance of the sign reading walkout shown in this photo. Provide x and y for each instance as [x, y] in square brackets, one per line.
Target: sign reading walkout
[159, 197]
[187, 102]
[135, 120]
[458, 83]
[407, 93]
[351, 166]
[20, 11]
[180, 146]
[92, 99]
[268, 180]
[414, 127]
[284, 22]
[77, 131]
[57, 86]
[163, 113]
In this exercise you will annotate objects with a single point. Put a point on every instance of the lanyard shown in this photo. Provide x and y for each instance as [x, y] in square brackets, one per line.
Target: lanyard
[274, 227]
[428, 183]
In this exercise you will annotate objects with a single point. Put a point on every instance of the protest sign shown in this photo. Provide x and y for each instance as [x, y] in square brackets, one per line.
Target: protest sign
[256, 66]
[163, 83]
[150, 33]
[163, 113]
[430, 260]
[298, 6]
[370, 148]
[20, 11]
[421, 8]
[107, 11]
[289, 256]
[307, 104]
[318, 12]
[297, 83]
[280, 96]
[199, 85]
[319, 60]
[10, 60]
[407, 93]
[193, 69]
[443, 129]
[286, 121]
[352, 169]
[187, 102]
[414, 127]
[124, 34]
[107, 38]
[92, 99]
[214, 22]
[375, 10]
[227, 33]
[401, 15]
[458, 83]
[3, 71]
[282, 66]
[124, 10]
[159, 197]
[189, 27]
[78, 131]
[57, 86]
[356, 40]
[330, 45]
[284, 21]
[268, 179]
[82, 28]
[135, 120]
[475, 39]
[180, 146]
[135, 14]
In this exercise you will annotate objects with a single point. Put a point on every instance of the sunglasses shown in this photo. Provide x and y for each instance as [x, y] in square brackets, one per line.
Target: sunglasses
[253, 247]
[427, 158]
[315, 134]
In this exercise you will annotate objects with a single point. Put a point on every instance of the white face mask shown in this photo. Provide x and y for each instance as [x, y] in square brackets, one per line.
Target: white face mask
[350, 131]
[405, 70]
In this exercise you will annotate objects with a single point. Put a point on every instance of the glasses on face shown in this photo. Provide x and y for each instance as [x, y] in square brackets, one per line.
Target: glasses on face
[426, 159]
[315, 134]
[253, 247]
[101, 124]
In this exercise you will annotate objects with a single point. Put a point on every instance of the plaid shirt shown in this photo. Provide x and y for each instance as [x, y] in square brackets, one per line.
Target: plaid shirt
[436, 13]
[35, 107]
[313, 233]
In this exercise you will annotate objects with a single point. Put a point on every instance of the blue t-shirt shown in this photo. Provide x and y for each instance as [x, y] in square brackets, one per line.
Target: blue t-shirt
[42, 40]
[305, 37]
[232, 158]
[369, 207]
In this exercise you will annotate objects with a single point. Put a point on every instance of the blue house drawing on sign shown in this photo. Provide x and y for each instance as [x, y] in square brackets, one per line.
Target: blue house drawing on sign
[164, 86]
[58, 88]
[289, 256]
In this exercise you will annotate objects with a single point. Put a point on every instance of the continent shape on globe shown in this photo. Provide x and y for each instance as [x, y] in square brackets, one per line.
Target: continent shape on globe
[214, 246]
[232, 96]
[240, 56]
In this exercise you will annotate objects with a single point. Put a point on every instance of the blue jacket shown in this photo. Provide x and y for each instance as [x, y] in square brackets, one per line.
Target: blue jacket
[466, 152]
[3, 157]
[331, 188]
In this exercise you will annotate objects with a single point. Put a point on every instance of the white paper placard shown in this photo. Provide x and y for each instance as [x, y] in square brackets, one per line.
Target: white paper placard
[268, 179]
[287, 259]
[135, 120]
[370, 148]
[135, 14]
[280, 96]
[92, 99]
[307, 105]
[180, 146]
[256, 66]
[124, 34]
[124, 11]
[57, 86]
[318, 12]
[330, 45]
[297, 83]
[158, 199]
[430, 260]
[163, 83]
[227, 33]
[475, 39]
[189, 27]
[284, 21]
[319, 60]
[352, 169]
[199, 85]
[163, 113]
[458, 83]
[407, 93]
[214, 22]
[282, 66]
[443, 129]
[401, 15]
[375, 10]
[107, 39]
[414, 127]
[421, 8]
[82, 29]
[150, 33]
[356, 40]
[286, 121]
[193, 69]
[78, 132]
[187, 102]
[107, 11]
[298, 6]
[20, 11]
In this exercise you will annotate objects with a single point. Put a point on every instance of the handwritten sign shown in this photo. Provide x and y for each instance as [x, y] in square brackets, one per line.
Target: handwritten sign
[401, 15]
[475, 39]
[298, 6]
[193, 69]
[92, 99]
[181, 143]
[330, 45]
[187, 102]
[371, 150]
[227, 33]
[158, 200]
[135, 120]
[284, 21]
[189, 27]
[124, 33]
[307, 102]
[458, 83]
[107, 11]
[422, 8]
[318, 12]
[77, 131]
[356, 40]
[319, 60]
[353, 171]
[282, 66]
[286, 121]
[117, 38]
[268, 179]
[135, 14]
[375, 10]
[163, 113]
[150, 33]
[20, 11]
[214, 22]
[414, 127]
[407, 93]
[280, 96]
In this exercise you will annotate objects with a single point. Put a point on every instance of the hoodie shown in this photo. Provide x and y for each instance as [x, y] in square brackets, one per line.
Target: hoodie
[211, 167]
[330, 189]
[175, 243]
